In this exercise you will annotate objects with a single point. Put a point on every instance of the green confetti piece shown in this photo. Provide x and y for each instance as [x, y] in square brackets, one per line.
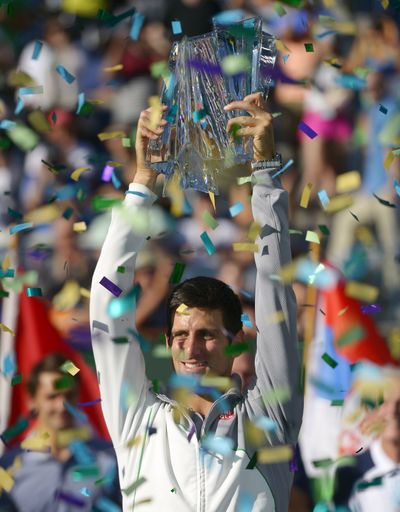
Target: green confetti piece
[64, 382]
[235, 64]
[209, 219]
[129, 490]
[121, 270]
[353, 335]
[100, 203]
[17, 379]
[34, 292]
[120, 340]
[279, 9]
[156, 385]
[329, 360]
[252, 462]
[126, 142]
[309, 47]
[364, 484]
[277, 395]
[233, 131]
[324, 229]
[236, 349]
[159, 68]
[295, 232]
[15, 429]
[14, 213]
[177, 273]
[337, 403]
[87, 471]
[67, 213]
[322, 463]
[4, 294]
[161, 352]
[199, 114]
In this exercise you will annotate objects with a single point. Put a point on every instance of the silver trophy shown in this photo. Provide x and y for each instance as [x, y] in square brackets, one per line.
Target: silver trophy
[205, 73]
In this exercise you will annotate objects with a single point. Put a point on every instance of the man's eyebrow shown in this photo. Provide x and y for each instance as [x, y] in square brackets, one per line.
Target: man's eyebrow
[179, 331]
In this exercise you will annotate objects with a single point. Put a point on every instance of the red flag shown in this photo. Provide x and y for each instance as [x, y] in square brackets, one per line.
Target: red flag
[355, 335]
[35, 338]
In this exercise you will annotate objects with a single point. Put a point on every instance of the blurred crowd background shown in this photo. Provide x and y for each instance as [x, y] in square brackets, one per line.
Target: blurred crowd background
[347, 88]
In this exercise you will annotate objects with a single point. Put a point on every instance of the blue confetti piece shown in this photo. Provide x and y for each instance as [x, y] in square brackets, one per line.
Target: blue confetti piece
[236, 209]
[81, 101]
[85, 491]
[36, 50]
[210, 247]
[324, 198]
[176, 27]
[115, 180]
[351, 82]
[6, 124]
[20, 227]
[80, 416]
[23, 91]
[20, 105]
[228, 17]
[91, 402]
[396, 185]
[266, 424]
[10, 272]
[68, 77]
[286, 166]
[81, 453]
[285, 58]
[246, 320]
[105, 505]
[33, 292]
[121, 305]
[245, 503]
[9, 365]
[220, 445]
[325, 34]
[137, 22]
[383, 109]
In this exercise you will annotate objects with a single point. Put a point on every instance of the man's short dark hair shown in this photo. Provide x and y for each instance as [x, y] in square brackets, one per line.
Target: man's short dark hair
[49, 364]
[206, 292]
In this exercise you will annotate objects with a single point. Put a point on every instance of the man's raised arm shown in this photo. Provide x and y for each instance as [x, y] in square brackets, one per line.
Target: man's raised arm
[277, 358]
[120, 365]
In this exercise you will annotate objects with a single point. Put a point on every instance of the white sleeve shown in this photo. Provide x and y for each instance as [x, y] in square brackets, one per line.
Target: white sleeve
[120, 365]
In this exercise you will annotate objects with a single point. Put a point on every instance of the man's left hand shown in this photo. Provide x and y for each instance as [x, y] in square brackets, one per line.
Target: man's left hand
[258, 125]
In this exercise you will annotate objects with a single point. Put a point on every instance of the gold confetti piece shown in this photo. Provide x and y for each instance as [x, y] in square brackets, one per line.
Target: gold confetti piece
[181, 309]
[6, 263]
[6, 482]
[388, 160]
[65, 437]
[274, 454]
[212, 199]
[68, 296]
[6, 329]
[343, 311]
[362, 291]
[244, 179]
[115, 164]
[37, 442]
[217, 382]
[175, 192]
[111, 135]
[348, 181]
[85, 292]
[385, 4]
[288, 272]
[134, 441]
[69, 367]
[155, 115]
[280, 46]
[312, 236]
[39, 121]
[254, 231]
[338, 203]
[239, 246]
[44, 214]
[15, 467]
[394, 342]
[75, 175]
[111, 69]
[276, 317]
[305, 196]
[79, 226]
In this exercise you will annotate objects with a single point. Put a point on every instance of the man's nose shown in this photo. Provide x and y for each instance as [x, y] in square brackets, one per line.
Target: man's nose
[192, 347]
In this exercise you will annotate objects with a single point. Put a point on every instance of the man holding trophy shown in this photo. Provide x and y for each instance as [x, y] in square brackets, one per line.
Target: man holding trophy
[206, 445]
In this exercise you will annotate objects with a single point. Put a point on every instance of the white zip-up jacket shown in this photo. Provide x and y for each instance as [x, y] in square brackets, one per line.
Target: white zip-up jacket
[162, 465]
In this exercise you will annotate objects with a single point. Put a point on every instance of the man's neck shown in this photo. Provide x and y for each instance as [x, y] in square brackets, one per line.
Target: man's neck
[200, 404]
[392, 450]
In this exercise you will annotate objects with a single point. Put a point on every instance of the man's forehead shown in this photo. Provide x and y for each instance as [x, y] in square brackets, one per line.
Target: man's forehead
[197, 317]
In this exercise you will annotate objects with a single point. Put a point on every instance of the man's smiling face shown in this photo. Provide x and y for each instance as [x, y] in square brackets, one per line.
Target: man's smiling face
[198, 343]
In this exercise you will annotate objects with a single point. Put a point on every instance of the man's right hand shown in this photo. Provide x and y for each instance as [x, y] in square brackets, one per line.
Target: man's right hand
[150, 127]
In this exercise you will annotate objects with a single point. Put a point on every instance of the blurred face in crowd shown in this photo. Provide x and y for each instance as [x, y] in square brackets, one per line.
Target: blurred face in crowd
[391, 412]
[198, 343]
[48, 402]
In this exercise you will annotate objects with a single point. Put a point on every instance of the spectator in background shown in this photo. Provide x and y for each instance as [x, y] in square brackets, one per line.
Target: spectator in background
[381, 132]
[195, 15]
[49, 468]
[373, 483]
